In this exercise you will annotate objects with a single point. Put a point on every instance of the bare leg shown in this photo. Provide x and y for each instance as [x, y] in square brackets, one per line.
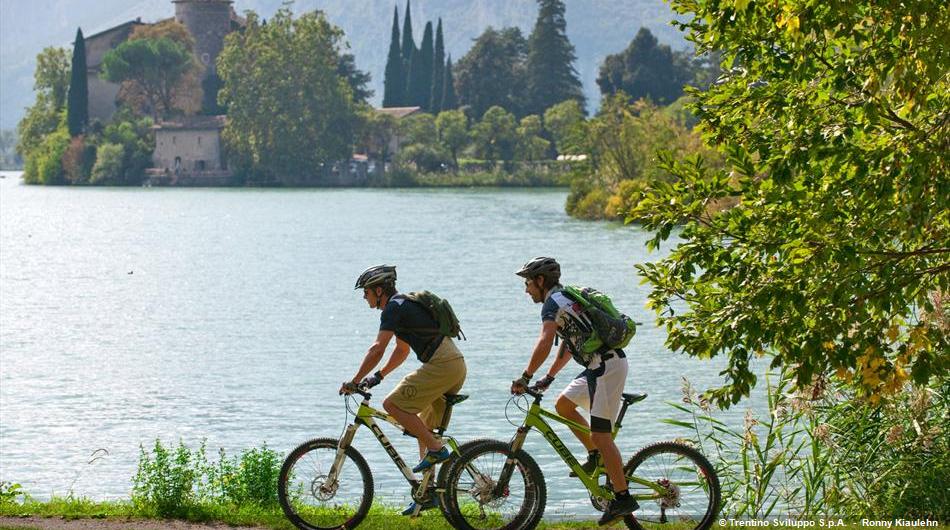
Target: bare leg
[611, 455]
[414, 425]
[567, 408]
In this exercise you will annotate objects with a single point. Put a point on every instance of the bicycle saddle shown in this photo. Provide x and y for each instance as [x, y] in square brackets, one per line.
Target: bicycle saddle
[633, 398]
[454, 399]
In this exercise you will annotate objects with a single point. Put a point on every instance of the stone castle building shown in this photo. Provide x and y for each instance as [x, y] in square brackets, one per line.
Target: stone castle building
[208, 21]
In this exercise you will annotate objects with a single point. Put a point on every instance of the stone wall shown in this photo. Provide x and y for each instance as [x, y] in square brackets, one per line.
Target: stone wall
[188, 150]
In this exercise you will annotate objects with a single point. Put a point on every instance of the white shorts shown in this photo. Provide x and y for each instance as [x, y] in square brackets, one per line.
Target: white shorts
[599, 389]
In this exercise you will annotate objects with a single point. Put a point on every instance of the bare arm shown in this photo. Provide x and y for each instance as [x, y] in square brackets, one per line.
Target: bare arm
[562, 359]
[543, 347]
[374, 355]
[400, 352]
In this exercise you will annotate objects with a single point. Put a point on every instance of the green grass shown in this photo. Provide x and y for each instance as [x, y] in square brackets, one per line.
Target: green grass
[380, 517]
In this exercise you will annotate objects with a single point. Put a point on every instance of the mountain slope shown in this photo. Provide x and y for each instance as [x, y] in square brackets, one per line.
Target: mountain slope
[595, 27]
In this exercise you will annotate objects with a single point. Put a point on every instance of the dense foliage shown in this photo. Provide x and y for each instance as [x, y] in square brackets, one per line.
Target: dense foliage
[281, 127]
[821, 451]
[622, 144]
[646, 69]
[492, 73]
[836, 124]
[51, 84]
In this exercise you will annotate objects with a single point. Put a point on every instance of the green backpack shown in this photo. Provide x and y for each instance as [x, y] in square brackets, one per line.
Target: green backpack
[441, 312]
[612, 329]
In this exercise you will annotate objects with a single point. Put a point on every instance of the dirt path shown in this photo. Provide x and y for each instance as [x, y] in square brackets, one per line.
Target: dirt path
[58, 523]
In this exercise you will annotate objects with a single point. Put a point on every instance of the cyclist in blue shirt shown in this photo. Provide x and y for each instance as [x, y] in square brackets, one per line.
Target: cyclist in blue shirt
[417, 402]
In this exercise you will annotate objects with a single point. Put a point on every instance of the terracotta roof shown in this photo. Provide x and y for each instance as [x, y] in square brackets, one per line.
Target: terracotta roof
[136, 22]
[193, 122]
[399, 112]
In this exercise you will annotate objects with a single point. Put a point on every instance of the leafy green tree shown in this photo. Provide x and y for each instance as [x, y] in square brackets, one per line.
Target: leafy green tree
[155, 65]
[282, 127]
[492, 73]
[394, 82]
[193, 92]
[51, 83]
[452, 128]
[77, 109]
[565, 123]
[438, 72]
[551, 77]
[531, 145]
[420, 143]
[356, 78]
[449, 102]
[376, 131]
[646, 70]
[837, 254]
[495, 136]
[51, 77]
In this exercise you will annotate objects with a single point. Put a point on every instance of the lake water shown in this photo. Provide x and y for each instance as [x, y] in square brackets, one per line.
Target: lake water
[130, 314]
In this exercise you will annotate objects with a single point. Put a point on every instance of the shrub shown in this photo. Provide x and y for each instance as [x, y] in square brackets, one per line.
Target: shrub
[78, 160]
[165, 481]
[44, 164]
[108, 166]
[592, 205]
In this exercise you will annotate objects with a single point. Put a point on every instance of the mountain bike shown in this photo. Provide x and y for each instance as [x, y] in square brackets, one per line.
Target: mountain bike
[497, 485]
[326, 483]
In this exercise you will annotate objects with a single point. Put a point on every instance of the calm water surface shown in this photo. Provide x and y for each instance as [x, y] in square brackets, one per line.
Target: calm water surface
[229, 315]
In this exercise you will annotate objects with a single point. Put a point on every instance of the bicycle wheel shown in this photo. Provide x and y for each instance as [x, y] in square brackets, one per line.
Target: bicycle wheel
[310, 501]
[689, 488]
[472, 496]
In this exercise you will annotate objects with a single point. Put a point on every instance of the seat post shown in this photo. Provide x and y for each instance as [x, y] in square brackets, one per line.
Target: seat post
[623, 412]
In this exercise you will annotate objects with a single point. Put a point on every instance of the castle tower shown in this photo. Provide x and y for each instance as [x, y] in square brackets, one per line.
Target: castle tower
[208, 21]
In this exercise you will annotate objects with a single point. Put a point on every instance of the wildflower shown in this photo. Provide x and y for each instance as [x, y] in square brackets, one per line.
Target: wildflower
[687, 388]
[894, 435]
[822, 432]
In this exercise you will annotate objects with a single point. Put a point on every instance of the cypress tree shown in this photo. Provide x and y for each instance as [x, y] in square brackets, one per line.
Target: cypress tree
[394, 92]
[77, 106]
[421, 83]
[551, 76]
[408, 44]
[438, 71]
[448, 87]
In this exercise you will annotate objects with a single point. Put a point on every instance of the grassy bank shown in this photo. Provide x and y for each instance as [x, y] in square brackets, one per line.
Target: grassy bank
[380, 517]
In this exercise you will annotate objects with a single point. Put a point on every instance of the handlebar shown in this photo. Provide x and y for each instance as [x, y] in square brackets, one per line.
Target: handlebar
[358, 389]
[534, 394]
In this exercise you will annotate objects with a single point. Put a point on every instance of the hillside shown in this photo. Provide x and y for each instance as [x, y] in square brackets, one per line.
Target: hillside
[596, 27]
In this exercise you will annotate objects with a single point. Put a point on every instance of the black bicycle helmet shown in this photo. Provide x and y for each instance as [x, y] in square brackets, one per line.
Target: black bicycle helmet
[541, 266]
[376, 276]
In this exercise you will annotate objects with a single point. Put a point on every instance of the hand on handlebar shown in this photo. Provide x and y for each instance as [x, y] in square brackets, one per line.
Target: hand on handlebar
[542, 384]
[373, 380]
[348, 388]
[520, 385]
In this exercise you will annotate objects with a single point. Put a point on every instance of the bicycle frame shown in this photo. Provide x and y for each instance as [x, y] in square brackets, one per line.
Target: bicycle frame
[367, 415]
[535, 419]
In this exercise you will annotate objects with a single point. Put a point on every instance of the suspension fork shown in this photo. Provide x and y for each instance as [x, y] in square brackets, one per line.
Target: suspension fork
[517, 442]
[341, 448]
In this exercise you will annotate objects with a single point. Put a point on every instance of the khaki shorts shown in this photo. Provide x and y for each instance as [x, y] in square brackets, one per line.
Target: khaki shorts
[421, 391]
